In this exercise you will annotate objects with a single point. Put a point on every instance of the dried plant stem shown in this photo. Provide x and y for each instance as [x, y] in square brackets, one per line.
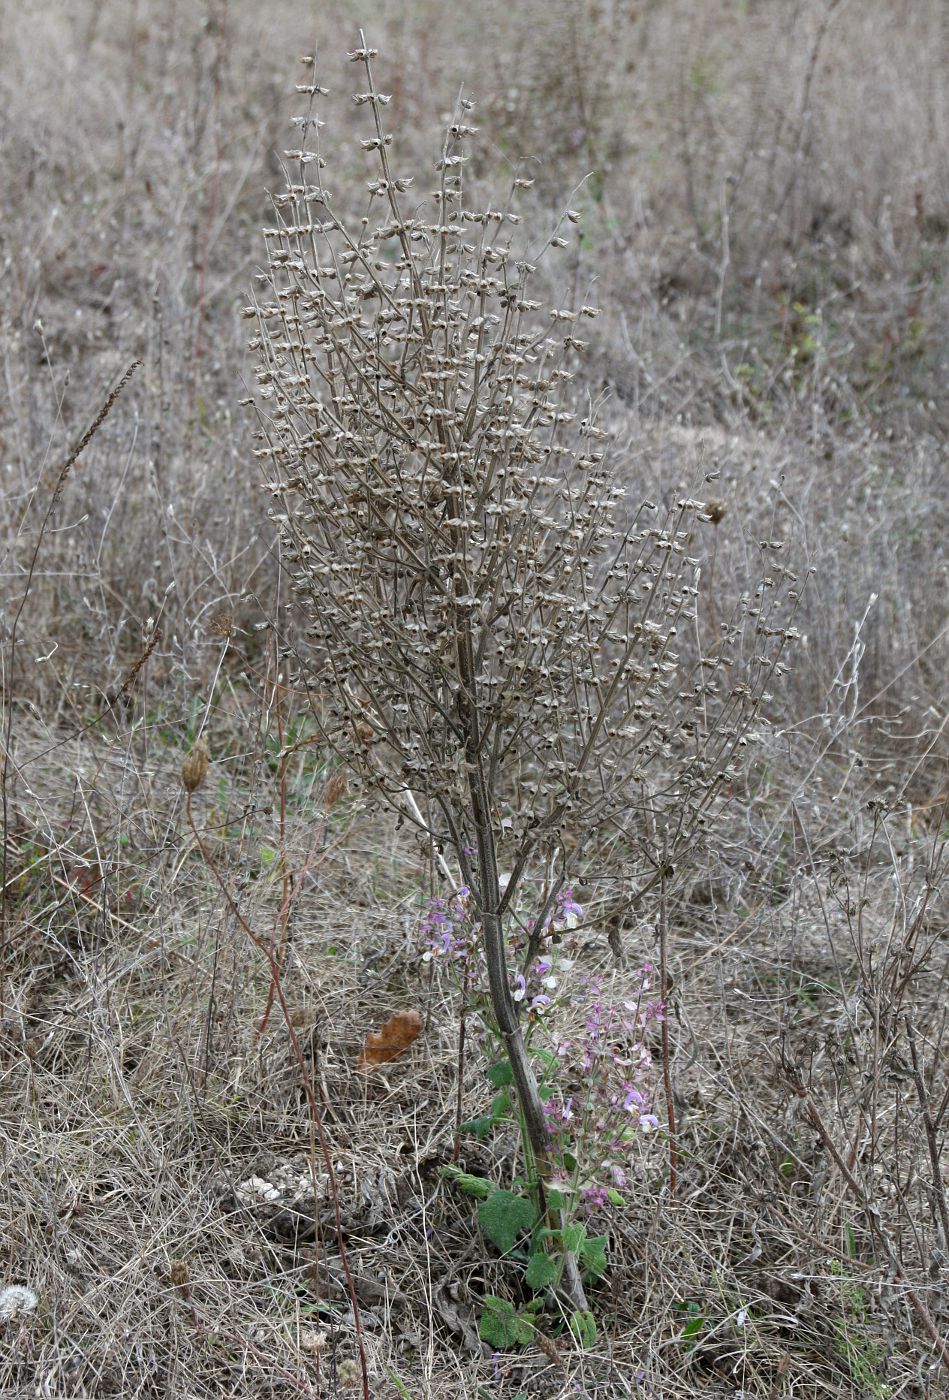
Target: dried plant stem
[61, 478]
[932, 1142]
[664, 995]
[315, 1115]
[873, 1216]
[279, 937]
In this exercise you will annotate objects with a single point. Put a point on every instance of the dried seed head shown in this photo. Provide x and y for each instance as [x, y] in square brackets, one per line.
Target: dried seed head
[194, 770]
[336, 788]
[222, 623]
[15, 1300]
[347, 1373]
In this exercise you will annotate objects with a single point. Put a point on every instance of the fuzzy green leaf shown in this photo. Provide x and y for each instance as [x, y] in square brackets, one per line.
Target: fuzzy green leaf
[500, 1325]
[593, 1254]
[500, 1075]
[478, 1127]
[503, 1216]
[497, 1323]
[572, 1237]
[583, 1327]
[541, 1271]
[473, 1185]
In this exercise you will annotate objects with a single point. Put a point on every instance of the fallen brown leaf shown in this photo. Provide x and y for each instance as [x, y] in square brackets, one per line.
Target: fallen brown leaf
[396, 1035]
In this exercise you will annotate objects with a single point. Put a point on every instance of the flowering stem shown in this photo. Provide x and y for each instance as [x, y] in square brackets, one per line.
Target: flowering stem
[534, 1131]
[456, 1151]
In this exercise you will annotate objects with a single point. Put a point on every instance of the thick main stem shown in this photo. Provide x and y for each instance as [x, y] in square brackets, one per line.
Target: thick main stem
[505, 1013]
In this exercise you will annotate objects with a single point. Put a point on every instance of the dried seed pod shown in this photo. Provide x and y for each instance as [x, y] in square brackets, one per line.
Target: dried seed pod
[336, 787]
[194, 770]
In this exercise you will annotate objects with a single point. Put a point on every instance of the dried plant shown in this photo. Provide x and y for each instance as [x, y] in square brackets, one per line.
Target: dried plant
[493, 626]
[400, 1031]
[195, 767]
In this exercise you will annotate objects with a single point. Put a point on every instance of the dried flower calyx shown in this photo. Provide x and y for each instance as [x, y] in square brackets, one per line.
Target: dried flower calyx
[194, 770]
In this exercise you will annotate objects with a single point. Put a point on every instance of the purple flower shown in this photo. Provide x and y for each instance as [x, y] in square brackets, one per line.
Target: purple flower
[567, 912]
[634, 1100]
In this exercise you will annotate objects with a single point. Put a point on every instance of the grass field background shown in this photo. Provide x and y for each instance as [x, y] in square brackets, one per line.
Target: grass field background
[765, 198]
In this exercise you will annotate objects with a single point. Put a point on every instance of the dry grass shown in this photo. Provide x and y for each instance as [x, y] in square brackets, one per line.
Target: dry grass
[767, 237]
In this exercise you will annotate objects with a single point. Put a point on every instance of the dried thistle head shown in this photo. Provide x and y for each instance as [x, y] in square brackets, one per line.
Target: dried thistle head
[194, 770]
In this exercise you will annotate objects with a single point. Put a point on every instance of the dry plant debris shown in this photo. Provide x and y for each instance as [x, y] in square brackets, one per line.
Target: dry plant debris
[400, 1031]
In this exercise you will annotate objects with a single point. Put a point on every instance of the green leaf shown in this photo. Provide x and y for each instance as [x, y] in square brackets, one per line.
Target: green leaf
[503, 1216]
[500, 1325]
[695, 1323]
[524, 1331]
[583, 1327]
[573, 1237]
[556, 1199]
[501, 1107]
[478, 1127]
[593, 1254]
[500, 1075]
[541, 1271]
[614, 1197]
[465, 1181]
[497, 1323]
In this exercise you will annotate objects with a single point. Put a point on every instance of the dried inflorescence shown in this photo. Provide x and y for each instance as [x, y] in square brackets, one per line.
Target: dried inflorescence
[477, 590]
[195, 767]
